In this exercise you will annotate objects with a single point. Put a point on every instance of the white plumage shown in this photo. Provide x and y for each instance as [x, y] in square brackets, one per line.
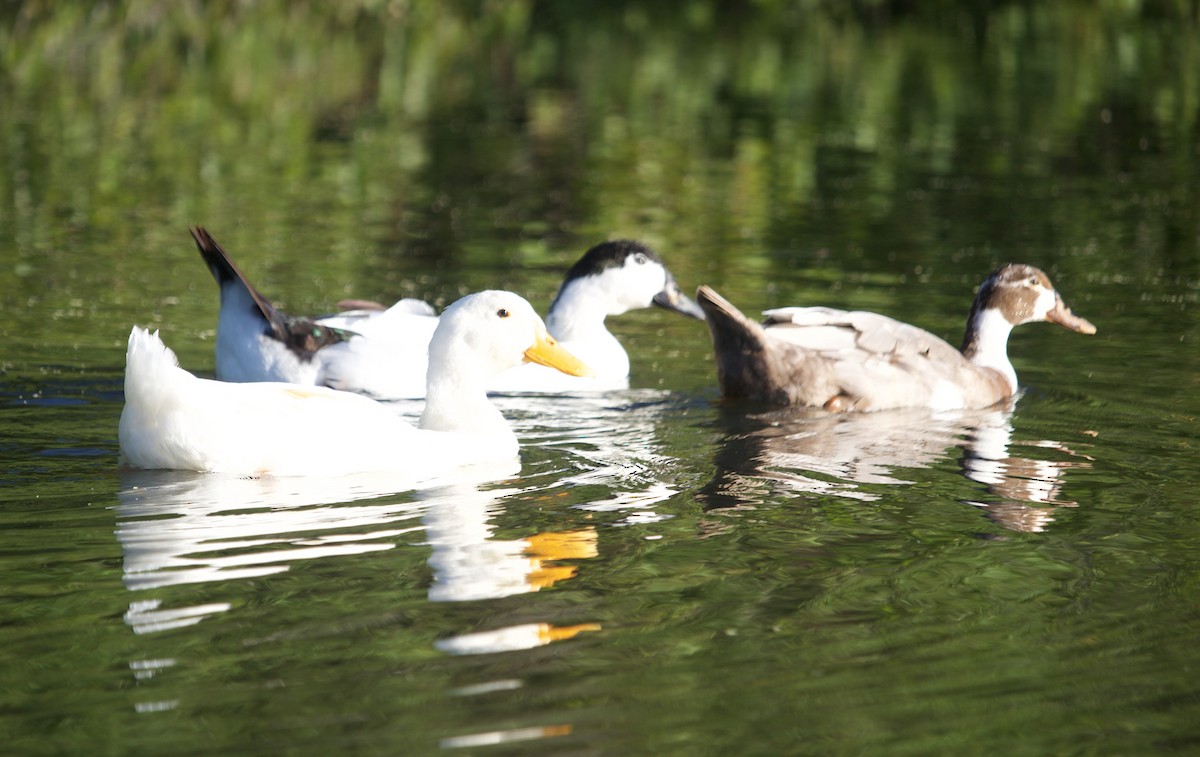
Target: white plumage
[175, 420]
[381, 351]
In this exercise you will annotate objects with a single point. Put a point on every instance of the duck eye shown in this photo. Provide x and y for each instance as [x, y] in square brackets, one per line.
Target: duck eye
[502, 313]
[639, 258]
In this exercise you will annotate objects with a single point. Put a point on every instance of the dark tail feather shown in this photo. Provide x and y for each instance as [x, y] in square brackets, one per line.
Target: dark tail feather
[717, 306]
[303, 336]
[218, 261]
[224, 270]
[746, 357]
[729, 328]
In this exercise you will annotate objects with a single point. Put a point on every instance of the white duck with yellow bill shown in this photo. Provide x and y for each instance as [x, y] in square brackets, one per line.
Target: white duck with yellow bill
[175, 420]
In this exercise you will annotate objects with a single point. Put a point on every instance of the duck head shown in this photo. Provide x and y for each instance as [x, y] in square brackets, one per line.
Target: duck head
[1014, 294]
[491, 331]
[624, 275]
[1023, 294]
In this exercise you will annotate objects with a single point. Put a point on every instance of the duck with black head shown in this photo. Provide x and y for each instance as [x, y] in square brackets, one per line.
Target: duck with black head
[382, 351]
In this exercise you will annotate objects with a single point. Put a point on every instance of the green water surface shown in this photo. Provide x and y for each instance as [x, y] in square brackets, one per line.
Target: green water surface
[669, 574]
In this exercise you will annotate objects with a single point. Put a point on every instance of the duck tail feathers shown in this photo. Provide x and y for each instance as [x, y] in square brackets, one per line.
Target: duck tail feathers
[747, 363]
[726, 323]
[223, 268]
[148, 431]
[226, 273]
[150, 366]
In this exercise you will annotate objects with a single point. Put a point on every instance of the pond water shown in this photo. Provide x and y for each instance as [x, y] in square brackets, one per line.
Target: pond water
[667, 574]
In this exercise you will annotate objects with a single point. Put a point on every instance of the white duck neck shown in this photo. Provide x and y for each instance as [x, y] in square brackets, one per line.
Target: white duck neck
[579, 311]
[456, 396]
[986, 343]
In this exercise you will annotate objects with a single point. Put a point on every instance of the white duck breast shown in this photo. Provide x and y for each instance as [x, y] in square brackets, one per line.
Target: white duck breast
[175, 420]
[382, 351]
[857, 361]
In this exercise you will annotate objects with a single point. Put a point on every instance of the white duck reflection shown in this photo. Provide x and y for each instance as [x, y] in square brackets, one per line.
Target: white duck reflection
[189, 528]
[611, 442]
[183, 528]
[469, 564]
[177, 528]
[814, 452]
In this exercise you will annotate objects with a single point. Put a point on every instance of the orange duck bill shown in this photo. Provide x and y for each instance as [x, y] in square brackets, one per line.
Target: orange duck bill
[546, 351]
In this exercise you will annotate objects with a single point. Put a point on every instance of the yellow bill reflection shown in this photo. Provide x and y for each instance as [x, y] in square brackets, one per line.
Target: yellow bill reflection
[511, 639]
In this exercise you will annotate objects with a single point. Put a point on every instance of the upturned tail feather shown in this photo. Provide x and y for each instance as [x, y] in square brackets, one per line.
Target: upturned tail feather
[149, 364]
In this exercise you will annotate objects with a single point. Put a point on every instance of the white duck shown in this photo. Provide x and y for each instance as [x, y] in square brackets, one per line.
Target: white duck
[856, 361]
[382, 351]
[175, 420]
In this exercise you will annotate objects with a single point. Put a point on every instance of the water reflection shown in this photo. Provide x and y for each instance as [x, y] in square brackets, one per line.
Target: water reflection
[177, 528]
[493, 738]
[611, 440]
[608, 441]
[470, 564]
[1028, 488]
[512, 638]
[182, 528]
[804, 451]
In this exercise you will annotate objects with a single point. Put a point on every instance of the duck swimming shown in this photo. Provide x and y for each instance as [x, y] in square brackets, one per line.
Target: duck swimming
[855, 361]
[175, 420]
[381, 351]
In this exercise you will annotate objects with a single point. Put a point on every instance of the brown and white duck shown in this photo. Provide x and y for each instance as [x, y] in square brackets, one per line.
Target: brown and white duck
[846, 361]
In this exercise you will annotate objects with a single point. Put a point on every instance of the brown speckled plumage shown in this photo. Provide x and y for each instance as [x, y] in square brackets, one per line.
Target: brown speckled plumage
[857, 361]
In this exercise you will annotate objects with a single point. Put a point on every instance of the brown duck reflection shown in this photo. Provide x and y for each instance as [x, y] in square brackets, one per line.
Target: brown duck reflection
[804, 451]
[1029, 488]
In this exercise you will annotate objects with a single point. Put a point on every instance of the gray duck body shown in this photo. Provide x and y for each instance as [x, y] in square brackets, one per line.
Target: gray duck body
[858, 361]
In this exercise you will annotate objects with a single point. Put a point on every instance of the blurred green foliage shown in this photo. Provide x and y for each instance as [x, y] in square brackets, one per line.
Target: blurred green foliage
[410, 147]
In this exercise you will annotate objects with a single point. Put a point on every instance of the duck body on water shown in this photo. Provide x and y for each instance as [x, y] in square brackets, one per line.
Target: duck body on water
[280, 412]
[175, 420]
[845, 361]
[382, 351]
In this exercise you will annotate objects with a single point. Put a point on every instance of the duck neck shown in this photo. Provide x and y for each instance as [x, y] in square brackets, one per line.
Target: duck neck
[578, 313]
[986, 343]
[456, 400]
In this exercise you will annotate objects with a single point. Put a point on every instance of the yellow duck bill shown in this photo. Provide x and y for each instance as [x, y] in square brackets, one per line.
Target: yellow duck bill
[546, 351]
